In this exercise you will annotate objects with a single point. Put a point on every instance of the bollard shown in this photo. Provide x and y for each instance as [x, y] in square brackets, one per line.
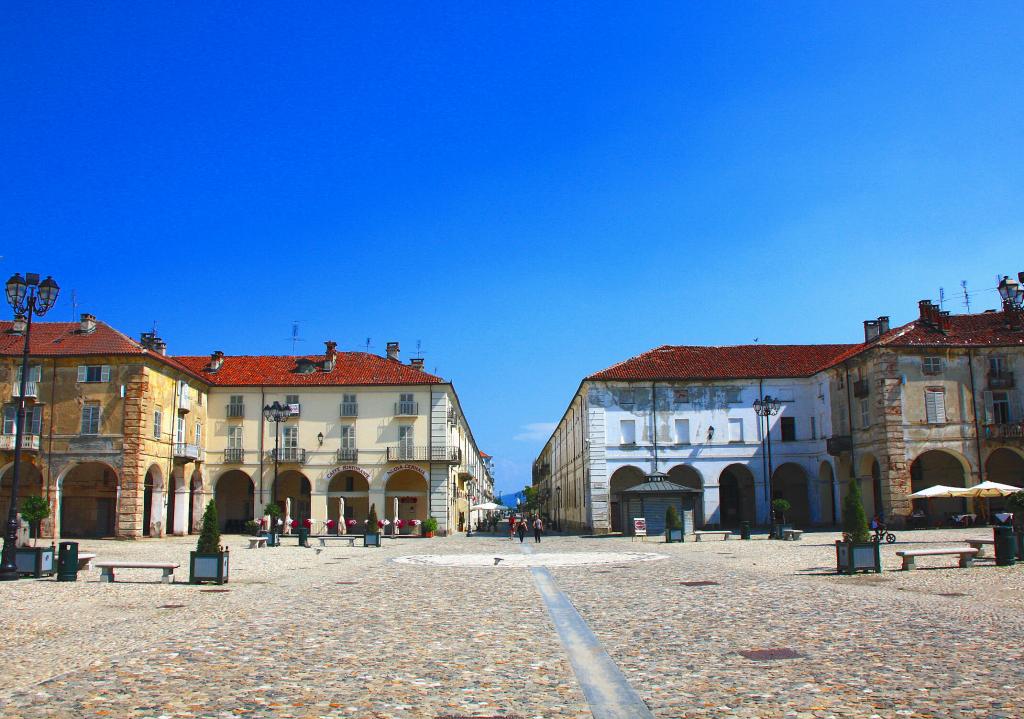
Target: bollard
[67, 562]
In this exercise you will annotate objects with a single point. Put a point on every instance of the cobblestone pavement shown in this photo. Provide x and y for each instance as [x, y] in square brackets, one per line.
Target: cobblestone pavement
[295, 637]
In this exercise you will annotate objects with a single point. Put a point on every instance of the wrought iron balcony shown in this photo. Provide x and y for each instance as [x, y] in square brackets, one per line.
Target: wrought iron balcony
[31, 389]
[408, 453]
[348, 455]
[838, 444]
[1003, 432]
[349, 409]
[861, 388]
[407, 409]
[236, 410]
[189, 451]
[289, 454]
[234, 456]
[1002, 380]
[29, 442]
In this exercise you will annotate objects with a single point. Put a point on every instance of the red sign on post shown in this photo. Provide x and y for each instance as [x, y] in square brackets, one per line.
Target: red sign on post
[640, 526]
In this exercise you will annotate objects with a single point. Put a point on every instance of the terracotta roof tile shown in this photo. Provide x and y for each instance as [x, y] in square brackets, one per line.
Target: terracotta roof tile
[55, 339]
[351, 368]
[988, 329]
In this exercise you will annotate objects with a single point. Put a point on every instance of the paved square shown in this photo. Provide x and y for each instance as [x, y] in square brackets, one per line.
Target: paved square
[352, 633]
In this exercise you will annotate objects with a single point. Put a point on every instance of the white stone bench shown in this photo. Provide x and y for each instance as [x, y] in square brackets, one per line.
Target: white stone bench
[792, 534]
[723, 533]
[85, 560]
[107, 569]
[980, 545]
[909, 555]
[350, 538]
[255, 542]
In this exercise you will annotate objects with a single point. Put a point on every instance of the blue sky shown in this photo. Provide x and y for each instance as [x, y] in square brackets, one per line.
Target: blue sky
[532, 191]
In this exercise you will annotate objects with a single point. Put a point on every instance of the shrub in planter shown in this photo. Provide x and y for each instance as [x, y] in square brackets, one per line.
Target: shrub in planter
[34, 510]
[209, 563]
[35, 561]
[673, 525]
[373, 526]
[429, 527]
[856, 552]
[779, 508]
[252, 527]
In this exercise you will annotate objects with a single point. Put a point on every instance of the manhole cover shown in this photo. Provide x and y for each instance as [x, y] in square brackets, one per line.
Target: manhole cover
[952, 594]
[170, 606]
[770, 655]
[703, 583]
[214, 590]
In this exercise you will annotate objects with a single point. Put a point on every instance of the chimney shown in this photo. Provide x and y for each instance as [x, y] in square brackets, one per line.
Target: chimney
[216, 361]
[883, 324]
[330, 356]
[88, 324]
[19, 325]
[393, 350]
[159, 346]
[871, 330]
[929, 312]
[416, 363]
[944, 322]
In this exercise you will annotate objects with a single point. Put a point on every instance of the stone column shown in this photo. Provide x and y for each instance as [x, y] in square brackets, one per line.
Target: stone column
[133, 472]
[712, 504]
[318, 507]
[180, 500]
[892, 460]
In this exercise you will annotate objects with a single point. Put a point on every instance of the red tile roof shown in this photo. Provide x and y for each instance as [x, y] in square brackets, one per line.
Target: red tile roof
[988, 329]
[56, 339]
[351, 368]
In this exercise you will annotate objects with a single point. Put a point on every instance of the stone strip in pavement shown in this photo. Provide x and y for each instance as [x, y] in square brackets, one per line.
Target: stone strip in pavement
[607, 691]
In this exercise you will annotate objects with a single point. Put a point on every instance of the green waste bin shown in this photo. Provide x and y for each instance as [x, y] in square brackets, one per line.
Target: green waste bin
[1006, 546]
[744, 530]
[303, 536]
[67, 562]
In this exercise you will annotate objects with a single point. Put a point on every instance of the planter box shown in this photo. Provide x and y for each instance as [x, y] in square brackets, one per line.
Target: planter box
[856, 557]
[674, 535]
[371, 539]
[779, 530]
[35, 561]
[209, 567]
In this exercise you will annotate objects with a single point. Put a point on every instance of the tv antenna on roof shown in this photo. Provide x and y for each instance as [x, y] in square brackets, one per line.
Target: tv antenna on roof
[295, 335]
[967, 297]
[74, 305]
[419, 352]
[942, 297]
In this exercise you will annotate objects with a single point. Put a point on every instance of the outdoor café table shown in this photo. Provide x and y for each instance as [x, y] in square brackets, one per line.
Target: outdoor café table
[1004, 517]
[964, 520]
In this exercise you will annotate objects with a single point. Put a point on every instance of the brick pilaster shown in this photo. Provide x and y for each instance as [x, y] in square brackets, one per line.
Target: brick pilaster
[133, 474]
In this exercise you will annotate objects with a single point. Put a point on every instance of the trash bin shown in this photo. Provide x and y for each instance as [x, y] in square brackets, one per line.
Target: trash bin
[744, 530]
[67, 562]
[1006, 546]
[303, 536]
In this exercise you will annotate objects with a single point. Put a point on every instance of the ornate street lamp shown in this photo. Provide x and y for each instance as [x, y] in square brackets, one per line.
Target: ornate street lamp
[558, 508]
[1011, 292]
[767, 407]
[276, 413]
[27, 296]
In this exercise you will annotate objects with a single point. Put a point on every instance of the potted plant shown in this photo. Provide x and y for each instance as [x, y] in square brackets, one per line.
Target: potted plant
[209, 562]
[673, 526]
[779, 508]
[350, 525]
[373, 526]
[429, 527]
[856, 552]
[273, 512]
[35, 561]
[252, 528]
[414, 525]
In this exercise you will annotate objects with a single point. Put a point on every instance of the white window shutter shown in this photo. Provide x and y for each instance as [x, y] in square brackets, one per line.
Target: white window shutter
[81, 372]
[990, 412]
[105, 373]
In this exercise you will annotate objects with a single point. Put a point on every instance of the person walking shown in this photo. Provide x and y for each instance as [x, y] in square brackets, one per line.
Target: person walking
[521, 530]
[511, 527]
[538, 528]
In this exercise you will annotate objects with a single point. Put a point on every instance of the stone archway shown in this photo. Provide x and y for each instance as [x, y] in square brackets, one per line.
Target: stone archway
[869, 474]
[88, 501]
[623, 478]
[737, 497]
[30, 484]
[406, 496]
[937, 466]
[234, 496]
[687, 476]
[293, 485]
[348, 497]
[826, 499]
[1005, 466]
[789, 482]
[153, 502]
[195, 503]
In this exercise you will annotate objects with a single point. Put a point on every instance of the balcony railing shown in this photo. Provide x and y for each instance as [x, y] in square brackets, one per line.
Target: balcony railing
[407, 409]
[349, 409]
[861, 388]
[348, 455]
[407, 453]
[1002, 380]
[31, 389]
[29, 442]
[452, 417]
[838, 444]
[234, 456]
[1003, 432]
[289, 454]
[184, 402]
[236, 410]
[189, 451]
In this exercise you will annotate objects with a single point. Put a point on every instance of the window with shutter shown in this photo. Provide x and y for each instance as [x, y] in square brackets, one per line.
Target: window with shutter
[158, 420]
[199, 434]
[935, 406]
[406, 438]
[865, 414]
[179, 430]
[348, 437]
[234, 437]
[627, 430]
[91, 418]
[1001, 407]
[36, 424]
[82, 370]
[10, 417]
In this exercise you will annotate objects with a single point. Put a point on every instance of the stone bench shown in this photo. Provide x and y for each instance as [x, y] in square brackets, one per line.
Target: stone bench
[909, 555]
[792, 534]
[255, 542]
[980, 545]
[723, 533]
[350, 538]
[85, 560]
[107, 569]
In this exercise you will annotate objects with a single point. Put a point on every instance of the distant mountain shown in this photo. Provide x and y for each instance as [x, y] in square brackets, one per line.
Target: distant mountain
[509, 500]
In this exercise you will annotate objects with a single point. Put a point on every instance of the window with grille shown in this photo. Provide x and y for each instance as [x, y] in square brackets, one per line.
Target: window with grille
[935, 406]
[94, 373]
[91, 418]
[931, 365]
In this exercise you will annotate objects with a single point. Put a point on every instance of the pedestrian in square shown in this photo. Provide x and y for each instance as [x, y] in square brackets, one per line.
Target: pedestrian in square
[521, 530]
[511, 527]
[538, 528]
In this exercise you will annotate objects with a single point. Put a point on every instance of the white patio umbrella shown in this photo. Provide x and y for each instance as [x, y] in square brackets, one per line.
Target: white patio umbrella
[939, 490]
[988, 489]
[487, 506]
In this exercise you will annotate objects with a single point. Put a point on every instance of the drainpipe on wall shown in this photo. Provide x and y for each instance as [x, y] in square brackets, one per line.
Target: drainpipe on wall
[849, 421]
[53, 500]
[974, 411]
[263, 401]
[654, 424]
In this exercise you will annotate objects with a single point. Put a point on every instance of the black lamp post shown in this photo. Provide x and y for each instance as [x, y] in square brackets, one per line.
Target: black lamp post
[28, 296]
[1011, 292]
[276, 413]
[767, 408]
[558, 508]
